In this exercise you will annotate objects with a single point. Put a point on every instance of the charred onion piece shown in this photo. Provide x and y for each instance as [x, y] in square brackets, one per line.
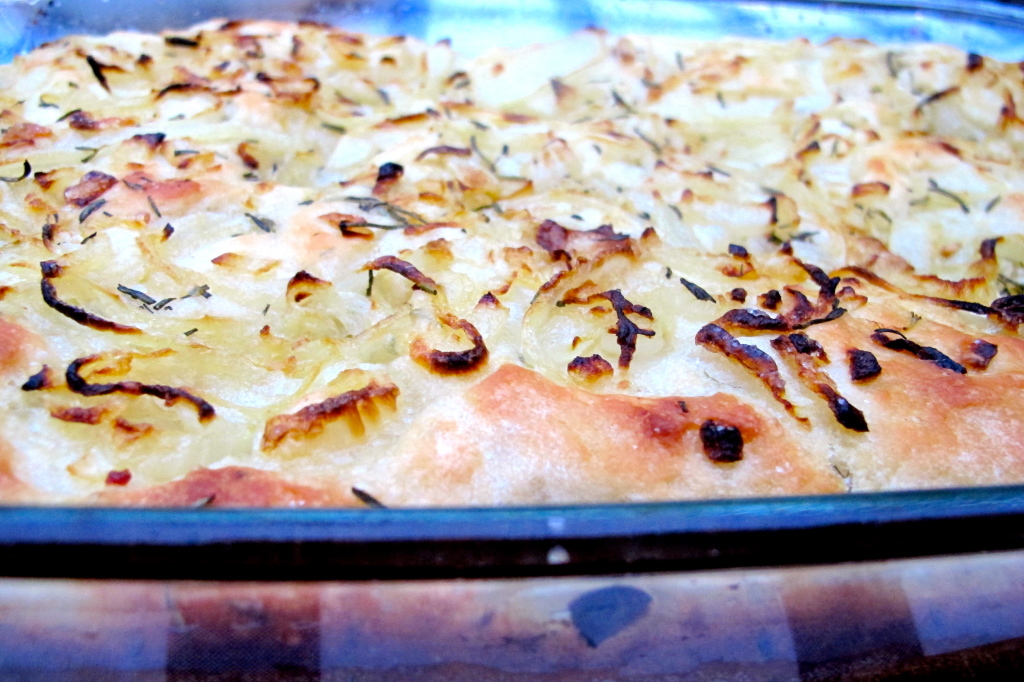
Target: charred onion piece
[979, 354]
[444, 149]
[1010, 309]
[452, 362]
[39, 380]
[805, 355]
[560, 241]
[863, 365]
[723, 444]
[51, 271]
[25, 171]
[405, 269]
[590, 369]
[168, 394]
[626, 330]
[310, 420]
[92, 185]
[751, 358]
[902, 344]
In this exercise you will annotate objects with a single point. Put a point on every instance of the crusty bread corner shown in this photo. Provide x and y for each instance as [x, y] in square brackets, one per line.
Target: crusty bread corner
[260, 263]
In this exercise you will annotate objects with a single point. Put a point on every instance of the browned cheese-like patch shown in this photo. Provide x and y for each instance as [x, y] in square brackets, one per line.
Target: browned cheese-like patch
[23, 135]
[79, 415]
[751, 358]
[565, 244]
[90, 188]
[451, 362]
[353, 406]
[591, 368]
[303, 285]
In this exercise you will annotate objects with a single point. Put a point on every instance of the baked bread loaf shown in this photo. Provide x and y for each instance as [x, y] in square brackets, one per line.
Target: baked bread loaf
[262, 263]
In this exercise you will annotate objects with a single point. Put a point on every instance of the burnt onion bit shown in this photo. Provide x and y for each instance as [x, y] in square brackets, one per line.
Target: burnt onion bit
[169, 394]
[626, 331]
[1010, 308]
[405, 269]
[722, 443]
[452, 362]
[863, 365]
[52, 270]
[846, 414]
[979, 354]
[902, 344]
[39, 380]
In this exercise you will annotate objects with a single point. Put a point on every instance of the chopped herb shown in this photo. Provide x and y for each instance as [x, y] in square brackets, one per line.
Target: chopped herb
[384, 96]
[334, 128]
[43, 104]
[136, 294]
[993, 203]
[934, 187]
[201, 290]
[97, 71]
[250, 176]
[697, 291]
[479, 126]
[653, 145]
[716, 169]
[307, 202]
[192, 331]
[890, 63]
[108, 214]
[163, 304]
[89, 237]
[679, 214]
[90, 209]
[180, 41]
[668, 273]
[183, 152]
[934, 97]
[369, 287]
[93, 151]
[472, 143]
[679, 61]
[621, 102]
[1010, 287]
[397, 213]
[265, 224]
[152, 205]
[720, 98]
[367, 499]
[265, 309]
[26, 169]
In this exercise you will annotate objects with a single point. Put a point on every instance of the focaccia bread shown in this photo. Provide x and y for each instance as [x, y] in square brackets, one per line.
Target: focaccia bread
[259, 263]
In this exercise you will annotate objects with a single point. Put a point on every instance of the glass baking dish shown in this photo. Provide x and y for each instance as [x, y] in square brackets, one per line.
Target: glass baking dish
[880, 584]
[316, 544]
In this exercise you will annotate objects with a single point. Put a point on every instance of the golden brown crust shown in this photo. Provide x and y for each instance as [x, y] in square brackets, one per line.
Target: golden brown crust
[517, 431]
[227, 487]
